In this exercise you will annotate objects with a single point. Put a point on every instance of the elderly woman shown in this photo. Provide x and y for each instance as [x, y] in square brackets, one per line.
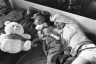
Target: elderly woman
[82, 47]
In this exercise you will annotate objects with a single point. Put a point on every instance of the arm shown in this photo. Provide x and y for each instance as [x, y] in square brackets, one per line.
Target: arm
[53, 33]
[40, 35]
[55, 36]
[43, 35]
[49, 32]
[27, 36]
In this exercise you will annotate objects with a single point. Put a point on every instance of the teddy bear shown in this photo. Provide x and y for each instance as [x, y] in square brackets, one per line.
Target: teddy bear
[14, 39]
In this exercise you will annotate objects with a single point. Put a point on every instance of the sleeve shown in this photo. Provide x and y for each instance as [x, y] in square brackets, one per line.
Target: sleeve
[55, 36]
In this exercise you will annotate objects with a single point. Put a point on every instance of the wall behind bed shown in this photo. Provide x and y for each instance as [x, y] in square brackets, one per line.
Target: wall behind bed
[88, 25]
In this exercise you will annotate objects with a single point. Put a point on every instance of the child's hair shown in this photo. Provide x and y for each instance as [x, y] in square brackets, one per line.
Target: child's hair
[43, 17]
[38, 15]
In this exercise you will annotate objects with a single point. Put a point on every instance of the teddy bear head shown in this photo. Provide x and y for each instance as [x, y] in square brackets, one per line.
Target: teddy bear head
[13, 27]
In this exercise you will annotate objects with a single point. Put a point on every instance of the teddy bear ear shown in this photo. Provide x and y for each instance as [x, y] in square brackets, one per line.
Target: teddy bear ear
[6, 22]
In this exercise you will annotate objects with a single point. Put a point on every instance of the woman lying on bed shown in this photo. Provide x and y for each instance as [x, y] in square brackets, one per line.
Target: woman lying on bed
[82, 48]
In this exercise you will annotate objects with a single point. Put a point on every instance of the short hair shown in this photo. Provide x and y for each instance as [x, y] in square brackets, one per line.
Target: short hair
[38, 15]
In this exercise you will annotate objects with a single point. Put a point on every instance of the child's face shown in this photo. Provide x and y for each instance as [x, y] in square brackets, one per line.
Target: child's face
[38, 21]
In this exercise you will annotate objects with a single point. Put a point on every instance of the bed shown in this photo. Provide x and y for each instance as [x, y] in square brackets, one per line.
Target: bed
[18, 13]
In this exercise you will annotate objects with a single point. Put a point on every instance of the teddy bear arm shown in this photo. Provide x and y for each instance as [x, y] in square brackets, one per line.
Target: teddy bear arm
[27, 36]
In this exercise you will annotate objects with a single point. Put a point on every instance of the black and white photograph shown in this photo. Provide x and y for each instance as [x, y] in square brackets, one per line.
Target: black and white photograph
[47, 31]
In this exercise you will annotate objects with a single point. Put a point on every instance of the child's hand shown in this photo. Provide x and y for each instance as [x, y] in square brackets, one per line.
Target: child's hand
[40, 36]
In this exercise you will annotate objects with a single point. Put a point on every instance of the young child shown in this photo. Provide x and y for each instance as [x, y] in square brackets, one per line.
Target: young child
[51, 35]
[53, 44]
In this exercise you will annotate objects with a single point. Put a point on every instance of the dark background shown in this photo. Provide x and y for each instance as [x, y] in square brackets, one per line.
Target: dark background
[85, 8]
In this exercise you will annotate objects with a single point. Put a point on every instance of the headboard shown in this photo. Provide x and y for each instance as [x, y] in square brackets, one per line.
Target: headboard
[87, 24]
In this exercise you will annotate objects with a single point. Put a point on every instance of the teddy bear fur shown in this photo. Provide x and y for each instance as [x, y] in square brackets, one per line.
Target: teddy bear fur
[14, 40]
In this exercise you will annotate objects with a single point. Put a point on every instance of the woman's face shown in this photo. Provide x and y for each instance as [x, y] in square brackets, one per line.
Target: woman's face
[59, 25]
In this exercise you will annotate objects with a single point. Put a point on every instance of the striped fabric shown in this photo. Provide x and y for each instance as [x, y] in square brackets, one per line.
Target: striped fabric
[74, 36]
